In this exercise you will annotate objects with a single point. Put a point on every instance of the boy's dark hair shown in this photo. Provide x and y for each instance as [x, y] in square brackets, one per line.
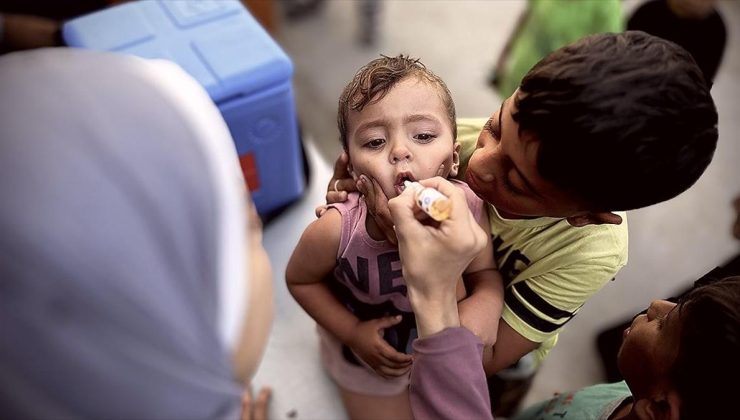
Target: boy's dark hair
[373, 81]
[623, 120]
[709, 350]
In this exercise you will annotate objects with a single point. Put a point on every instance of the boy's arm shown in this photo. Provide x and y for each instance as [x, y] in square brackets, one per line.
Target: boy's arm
[312, 261]
[481, 310]
[537, 308]
[510, 347]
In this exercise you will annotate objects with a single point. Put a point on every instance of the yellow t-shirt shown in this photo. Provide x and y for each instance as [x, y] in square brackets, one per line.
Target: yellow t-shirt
[550, 268]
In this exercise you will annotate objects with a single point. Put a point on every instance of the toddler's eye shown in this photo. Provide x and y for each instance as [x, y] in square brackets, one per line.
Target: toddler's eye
[425, 137]
[375, 143]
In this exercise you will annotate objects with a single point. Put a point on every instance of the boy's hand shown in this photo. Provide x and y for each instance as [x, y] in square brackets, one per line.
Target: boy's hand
[340, 184]
[368, 343]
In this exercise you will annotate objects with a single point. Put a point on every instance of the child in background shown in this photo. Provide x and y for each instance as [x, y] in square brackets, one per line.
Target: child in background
[397, 123]
[673, 358]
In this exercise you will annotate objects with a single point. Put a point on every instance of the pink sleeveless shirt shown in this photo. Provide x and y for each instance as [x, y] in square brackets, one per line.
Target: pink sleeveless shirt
[368, 282]
[371, 269]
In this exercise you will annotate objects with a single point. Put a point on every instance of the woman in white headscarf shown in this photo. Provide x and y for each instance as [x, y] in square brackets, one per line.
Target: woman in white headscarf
[133, 282]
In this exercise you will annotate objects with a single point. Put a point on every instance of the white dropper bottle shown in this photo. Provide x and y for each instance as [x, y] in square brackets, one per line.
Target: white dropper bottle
[431, 201]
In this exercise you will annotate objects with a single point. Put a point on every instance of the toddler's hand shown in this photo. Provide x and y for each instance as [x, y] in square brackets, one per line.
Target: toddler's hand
[368, 343]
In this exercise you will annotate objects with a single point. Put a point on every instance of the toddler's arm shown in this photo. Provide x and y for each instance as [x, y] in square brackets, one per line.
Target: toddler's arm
[312, 261]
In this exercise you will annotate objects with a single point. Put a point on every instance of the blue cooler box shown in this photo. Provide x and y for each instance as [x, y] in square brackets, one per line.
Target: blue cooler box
[241, 67]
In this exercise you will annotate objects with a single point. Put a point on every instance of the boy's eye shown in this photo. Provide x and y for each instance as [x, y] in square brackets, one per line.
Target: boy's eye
[661, 321]
[509, 186]
[508, 181]
[375, 143]
[425, 137]
[490, 128]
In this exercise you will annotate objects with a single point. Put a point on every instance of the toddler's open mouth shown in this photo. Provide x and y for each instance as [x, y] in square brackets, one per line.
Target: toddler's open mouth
[401, 178]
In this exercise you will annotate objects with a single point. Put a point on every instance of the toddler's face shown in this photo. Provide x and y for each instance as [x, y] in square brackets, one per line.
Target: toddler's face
[405, 135]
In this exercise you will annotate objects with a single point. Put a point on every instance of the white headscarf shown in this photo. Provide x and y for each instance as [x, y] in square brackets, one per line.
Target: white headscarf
[122, 241]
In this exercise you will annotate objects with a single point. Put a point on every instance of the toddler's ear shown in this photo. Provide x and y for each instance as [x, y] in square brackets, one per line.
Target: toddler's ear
[455, 160]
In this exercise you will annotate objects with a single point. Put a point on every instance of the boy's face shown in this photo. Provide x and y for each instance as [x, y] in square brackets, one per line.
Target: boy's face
[649, 348]
[405, 135]
[503, 171]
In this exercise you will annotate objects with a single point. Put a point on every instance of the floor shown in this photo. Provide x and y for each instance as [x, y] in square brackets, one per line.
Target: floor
[671, 244]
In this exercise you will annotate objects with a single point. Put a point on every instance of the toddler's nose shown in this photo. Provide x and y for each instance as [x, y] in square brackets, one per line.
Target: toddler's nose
[400, 153]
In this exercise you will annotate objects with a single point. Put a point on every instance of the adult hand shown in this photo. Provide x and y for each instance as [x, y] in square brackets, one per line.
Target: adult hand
[377, 205]
[255, 410]
[434, 257]
[368, 343]
[342, 183]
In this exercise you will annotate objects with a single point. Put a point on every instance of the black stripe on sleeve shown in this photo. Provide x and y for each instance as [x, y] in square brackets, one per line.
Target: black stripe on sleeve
[540, 304]
[526, 315]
